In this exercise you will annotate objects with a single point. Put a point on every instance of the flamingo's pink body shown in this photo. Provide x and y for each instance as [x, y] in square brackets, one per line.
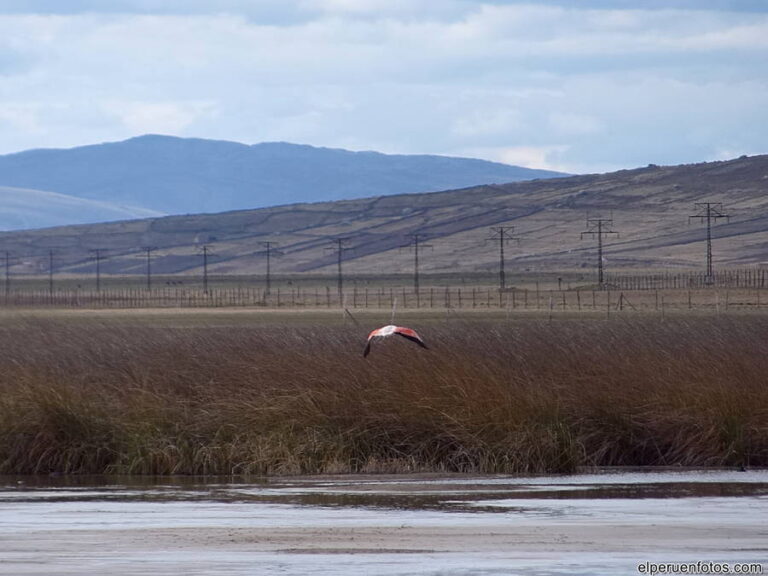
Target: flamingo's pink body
[389, 330]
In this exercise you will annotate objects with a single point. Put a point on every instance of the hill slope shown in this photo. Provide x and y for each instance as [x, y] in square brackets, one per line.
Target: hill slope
[22, 208]
[650, 208]
[179, 176]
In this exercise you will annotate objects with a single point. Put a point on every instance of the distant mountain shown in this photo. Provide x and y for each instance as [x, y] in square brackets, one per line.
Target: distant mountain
[22, 208]
[649, 207]
[188, 175]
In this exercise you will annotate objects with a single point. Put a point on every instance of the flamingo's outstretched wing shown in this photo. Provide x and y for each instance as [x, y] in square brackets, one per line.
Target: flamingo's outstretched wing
[411, 335]
[371, 336]
[388, 331]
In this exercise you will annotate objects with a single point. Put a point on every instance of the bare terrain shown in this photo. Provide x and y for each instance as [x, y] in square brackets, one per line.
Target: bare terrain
[650, 208]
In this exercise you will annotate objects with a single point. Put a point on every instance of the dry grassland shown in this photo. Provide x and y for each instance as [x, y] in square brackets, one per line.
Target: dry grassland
[106, 394]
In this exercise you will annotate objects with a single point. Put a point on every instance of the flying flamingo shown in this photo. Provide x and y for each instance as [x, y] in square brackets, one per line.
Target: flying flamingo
[390, 329]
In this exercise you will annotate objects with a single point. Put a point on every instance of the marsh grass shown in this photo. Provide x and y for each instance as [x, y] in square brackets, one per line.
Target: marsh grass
[520, 396]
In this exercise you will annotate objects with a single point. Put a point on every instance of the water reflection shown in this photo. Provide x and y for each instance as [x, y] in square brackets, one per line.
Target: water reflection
[417, 492]
[604, 522]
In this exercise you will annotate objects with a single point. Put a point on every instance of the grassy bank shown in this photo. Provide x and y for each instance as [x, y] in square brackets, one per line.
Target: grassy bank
[518, 396]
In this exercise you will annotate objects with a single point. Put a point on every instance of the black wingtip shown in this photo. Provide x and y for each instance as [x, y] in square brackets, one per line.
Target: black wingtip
[412, 339]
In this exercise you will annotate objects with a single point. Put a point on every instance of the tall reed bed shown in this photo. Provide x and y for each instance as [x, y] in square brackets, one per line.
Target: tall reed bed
[514, 396]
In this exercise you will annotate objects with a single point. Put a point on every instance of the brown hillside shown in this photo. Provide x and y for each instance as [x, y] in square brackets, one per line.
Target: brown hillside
[650, 208]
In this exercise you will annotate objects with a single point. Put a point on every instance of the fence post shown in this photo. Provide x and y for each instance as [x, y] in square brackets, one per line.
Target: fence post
[550, 306]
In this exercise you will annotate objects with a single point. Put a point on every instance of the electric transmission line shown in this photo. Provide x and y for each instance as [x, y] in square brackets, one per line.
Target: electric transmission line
[205, 250]
[339, 247]
[7, 274]
[269, 252]
[148, 255]
[50, 273]
[600, 228]
[709, 211]
[502, 234]
[99, 256]
[416, 244]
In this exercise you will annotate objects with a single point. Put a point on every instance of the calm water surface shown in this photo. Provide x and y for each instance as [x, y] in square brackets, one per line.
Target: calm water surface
[603, 523]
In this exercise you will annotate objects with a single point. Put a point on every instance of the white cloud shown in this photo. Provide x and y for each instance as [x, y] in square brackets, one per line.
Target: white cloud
[484, 122]
[158, 117]
[542, 157]
[537, 84]
[20, 116]
[568, 123]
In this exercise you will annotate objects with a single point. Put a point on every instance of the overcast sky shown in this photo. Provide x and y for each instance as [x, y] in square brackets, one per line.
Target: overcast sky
[580, 86]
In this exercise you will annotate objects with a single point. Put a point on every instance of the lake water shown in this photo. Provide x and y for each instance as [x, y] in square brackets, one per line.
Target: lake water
[603, 523]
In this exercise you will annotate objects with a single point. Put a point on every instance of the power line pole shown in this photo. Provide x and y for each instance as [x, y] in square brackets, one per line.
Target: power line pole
[98, 253]
[602, 228]
[709, 211]
[50, 273]
[268, 245]
[7, 275]
[339, 248]
[503, 234]
[415, 244]
[149, 250]
[205, 252]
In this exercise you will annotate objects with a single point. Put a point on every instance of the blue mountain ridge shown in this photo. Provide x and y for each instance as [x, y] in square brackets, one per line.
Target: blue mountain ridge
[174, 175]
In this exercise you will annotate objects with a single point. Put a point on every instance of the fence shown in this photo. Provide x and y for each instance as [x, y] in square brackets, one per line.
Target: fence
[473, 298]
[745, 278]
